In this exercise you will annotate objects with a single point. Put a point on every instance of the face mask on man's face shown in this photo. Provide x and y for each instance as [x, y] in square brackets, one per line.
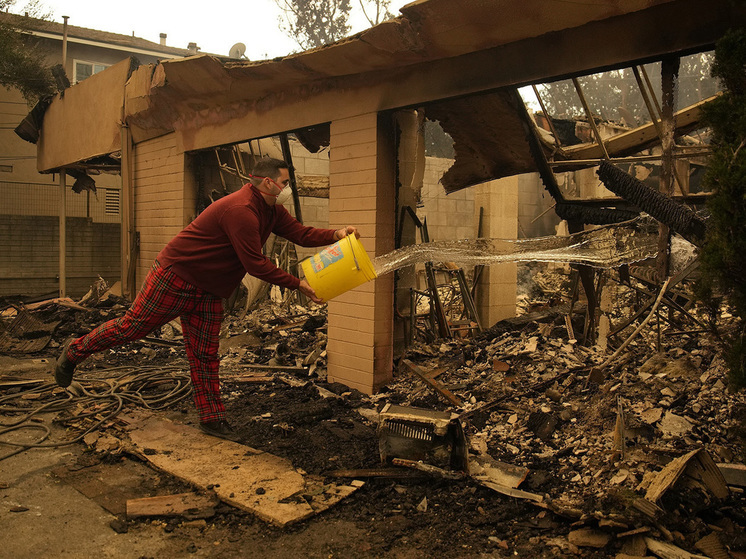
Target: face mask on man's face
[284, 195]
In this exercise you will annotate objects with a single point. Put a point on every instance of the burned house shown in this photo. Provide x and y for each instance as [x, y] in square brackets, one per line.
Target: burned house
[30, 200]
[363, 100]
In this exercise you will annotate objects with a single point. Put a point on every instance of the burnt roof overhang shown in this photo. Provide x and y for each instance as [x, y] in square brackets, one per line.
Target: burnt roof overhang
[436, 51]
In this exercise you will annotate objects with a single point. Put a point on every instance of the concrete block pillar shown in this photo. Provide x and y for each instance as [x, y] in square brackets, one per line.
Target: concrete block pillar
[496, 291]
[362, 193]
[411, 170]
[165, 194]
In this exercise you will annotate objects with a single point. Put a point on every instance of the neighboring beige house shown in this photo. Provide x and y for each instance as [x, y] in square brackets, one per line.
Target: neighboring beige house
[29, 200]
[362, 102]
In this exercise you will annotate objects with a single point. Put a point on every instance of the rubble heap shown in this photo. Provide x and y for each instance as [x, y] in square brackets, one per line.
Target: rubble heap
[642, 455]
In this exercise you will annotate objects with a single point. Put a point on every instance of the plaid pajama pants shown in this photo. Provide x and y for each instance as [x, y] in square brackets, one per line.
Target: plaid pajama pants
[163, 297]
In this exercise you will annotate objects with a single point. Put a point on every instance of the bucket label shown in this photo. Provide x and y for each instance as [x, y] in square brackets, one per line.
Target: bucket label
[326, 257]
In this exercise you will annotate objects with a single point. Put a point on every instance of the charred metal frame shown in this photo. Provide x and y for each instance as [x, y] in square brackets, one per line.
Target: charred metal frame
[662, 119]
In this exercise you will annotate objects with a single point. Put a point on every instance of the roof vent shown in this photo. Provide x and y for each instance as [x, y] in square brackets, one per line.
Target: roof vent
[163, 39]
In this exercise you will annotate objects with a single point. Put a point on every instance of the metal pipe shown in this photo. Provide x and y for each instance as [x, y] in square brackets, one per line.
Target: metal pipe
[127, 247]
[238, 159]
[63, 233]
[650, 88]
[631, 159]
[592, 122]
[648, 104]
[545, 171]
[220, 171]
[546, 116]
[288, 156]
[64, 42]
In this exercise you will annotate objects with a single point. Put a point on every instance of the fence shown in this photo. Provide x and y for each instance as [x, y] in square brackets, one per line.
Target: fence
[29, 238]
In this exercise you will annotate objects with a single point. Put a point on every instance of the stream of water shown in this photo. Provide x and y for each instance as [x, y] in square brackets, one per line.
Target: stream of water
[603, 247]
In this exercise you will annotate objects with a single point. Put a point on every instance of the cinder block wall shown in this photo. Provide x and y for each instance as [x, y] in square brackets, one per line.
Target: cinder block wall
[536, 218]
[456, 216]
[315, 210]
[30, 260]
[306, 163]
[449, 217]
[360, 344]
[315, 214]
[165, 197]
[496, 291]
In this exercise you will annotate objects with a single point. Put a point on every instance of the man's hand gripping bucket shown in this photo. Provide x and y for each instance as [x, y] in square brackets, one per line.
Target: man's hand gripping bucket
[338, 268]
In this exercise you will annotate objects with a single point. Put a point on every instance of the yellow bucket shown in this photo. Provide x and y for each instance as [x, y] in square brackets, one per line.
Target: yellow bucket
[338, 268]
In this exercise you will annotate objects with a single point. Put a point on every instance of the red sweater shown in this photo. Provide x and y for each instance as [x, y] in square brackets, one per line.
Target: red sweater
[225, 242]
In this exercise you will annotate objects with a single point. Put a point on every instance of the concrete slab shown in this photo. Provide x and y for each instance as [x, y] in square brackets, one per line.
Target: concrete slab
[59, 521]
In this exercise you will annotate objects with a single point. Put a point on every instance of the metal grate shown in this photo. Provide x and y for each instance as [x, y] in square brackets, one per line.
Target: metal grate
[111, 200]
[409, 430]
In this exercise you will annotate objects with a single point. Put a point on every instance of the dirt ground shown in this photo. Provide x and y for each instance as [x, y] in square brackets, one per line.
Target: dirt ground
[530, 397]
[407, 517]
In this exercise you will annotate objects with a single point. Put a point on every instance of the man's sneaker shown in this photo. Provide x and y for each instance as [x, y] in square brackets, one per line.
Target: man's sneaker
[220, 428]
[64, 369]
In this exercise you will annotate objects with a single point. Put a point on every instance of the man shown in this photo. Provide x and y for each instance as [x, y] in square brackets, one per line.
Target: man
[198, 268]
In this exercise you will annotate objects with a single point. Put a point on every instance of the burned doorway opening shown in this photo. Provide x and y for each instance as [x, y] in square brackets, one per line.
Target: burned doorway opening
[654, 138]
[224, 169]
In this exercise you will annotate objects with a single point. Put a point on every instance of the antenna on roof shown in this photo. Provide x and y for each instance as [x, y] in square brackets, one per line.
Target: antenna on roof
[237, 51]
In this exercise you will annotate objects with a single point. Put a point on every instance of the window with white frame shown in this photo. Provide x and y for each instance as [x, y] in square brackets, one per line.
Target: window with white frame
[85, 70]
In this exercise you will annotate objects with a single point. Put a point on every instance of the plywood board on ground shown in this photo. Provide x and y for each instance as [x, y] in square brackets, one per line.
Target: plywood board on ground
[255, 481]
[192, 505]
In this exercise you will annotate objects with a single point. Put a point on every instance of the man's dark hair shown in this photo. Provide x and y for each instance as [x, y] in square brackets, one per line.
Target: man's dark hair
[268, 167]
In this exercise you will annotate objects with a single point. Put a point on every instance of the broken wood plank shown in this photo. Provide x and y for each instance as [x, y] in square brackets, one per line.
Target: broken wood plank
[669, 551]
[254, 379]
[712, 547]
[428, 469]
[436, 372]
[279, 368]
[385, 473]
[290, 325]
[634, 139]
[311, 358]
[568, 326]
[439, 388]
[651, 510]
[255, 481]
[620, 436]
[191, 505]
[161, 342]
[635, 532]
[250, 378]
[26, 334]
[698, 460]
[589, 537]
[734, 474]
[61, 301]
[486, 468]
[510, 492]
[633, 546]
